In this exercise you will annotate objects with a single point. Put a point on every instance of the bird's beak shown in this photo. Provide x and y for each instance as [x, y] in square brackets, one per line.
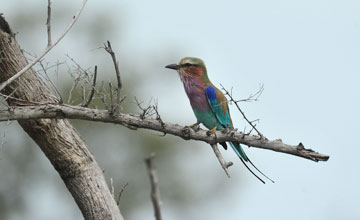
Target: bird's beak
[173, 66]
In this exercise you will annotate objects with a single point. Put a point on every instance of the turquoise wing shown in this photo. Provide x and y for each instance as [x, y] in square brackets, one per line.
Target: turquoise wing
[219, 106]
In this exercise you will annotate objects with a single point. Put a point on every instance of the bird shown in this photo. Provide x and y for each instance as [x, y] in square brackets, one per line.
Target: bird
[209, 104]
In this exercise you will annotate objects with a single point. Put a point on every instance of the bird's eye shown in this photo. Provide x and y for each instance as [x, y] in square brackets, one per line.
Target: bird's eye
[188, 65]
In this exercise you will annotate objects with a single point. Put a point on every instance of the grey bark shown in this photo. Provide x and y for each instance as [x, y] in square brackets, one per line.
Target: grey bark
[57, 138]
[136, 121]
[154, 182]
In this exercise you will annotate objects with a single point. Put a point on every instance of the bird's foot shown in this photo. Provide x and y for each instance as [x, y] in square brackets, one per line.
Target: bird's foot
[226, 130]
[195, 126]
[211, 131]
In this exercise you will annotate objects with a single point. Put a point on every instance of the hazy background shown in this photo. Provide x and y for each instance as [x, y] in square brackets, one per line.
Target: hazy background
[306, 53]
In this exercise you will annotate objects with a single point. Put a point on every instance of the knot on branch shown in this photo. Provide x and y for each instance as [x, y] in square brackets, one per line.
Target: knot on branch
[4, 26]
[300, 146]
[58, 113]
[311, 154]
[196, 127]
[229, 164]
[186, 132]
[226, 130]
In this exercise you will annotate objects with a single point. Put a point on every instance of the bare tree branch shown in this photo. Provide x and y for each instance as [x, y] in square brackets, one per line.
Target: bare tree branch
[112, 187]
[92, 89]
[117, 71]
[252, 97]
[67, 151]
[137, 121]
[49, 80]
[3, 140]
[78, 77]
[225, 165]
[120, 193]
[154, 181]
[111, 97]
[48, 23]
[47, 49]
[243, 114]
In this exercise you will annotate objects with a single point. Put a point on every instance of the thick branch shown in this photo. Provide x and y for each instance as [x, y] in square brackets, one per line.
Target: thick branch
[136, 121]
[60, 142]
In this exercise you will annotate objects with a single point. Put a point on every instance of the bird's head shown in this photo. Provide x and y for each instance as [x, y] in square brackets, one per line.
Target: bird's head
[190, 67]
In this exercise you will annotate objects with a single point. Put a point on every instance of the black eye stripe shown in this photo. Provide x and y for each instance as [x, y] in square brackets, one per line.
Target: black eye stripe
[188, 64]
[185, 64]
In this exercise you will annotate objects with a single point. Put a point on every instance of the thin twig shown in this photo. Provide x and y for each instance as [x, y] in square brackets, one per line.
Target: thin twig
[117, 71]
[77, 65]
[76, 81]
[111, 97]
[50, 81]
[10, 95]
[155, 194]
[92, 89]
[78, 76]
[22, 101]
[243, 114]
[3, 141]
[83, 96]
[252, 97]
[112, 187]
[48, 23]
[102, 95]
[47, 49]
[158, 117]
[225, 165]
[145, 111]
[121, 192]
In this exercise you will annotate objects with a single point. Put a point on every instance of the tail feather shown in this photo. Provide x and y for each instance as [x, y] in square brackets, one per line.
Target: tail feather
[251, 171]
[260, 171]
[239, 151]
[244, 158]
[224, 145]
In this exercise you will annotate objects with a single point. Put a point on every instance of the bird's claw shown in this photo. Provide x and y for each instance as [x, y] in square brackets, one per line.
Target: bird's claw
[225, 130]
[195, 126]
[211, 131]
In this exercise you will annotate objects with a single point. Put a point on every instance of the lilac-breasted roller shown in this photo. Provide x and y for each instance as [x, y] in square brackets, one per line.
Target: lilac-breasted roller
[209, 104]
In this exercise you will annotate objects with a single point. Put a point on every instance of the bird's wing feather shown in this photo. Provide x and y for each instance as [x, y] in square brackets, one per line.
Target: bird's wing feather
[218, 105]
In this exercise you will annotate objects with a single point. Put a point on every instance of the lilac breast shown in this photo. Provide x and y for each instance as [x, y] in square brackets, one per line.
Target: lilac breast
[195, 90]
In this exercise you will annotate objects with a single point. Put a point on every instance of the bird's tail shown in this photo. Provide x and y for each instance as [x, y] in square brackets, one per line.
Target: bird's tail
[244, 158]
